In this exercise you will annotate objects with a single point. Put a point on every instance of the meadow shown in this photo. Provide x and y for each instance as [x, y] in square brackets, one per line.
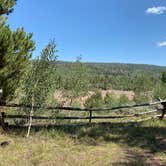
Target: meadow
[106, 143]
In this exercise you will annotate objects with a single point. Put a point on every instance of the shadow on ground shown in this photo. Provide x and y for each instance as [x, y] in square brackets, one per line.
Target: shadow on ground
[150, 137]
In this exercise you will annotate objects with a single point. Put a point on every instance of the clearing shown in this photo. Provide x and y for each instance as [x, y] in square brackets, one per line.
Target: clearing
[103, 144]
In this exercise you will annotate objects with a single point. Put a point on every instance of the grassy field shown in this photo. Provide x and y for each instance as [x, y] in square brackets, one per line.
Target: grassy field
[96, 144]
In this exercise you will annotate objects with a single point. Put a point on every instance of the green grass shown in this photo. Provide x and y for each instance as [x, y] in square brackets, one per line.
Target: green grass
[96, 144]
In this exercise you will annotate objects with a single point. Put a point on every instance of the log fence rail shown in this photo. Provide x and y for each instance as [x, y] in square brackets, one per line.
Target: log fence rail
[4, 116]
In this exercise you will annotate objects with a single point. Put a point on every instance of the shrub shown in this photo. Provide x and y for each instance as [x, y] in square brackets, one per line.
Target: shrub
[141, 98]
[110, 100]
[160, 91]
[123, 100]
[95, 100]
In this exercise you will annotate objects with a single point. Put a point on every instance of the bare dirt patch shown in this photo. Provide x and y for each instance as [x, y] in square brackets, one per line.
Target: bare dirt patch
[64, 101]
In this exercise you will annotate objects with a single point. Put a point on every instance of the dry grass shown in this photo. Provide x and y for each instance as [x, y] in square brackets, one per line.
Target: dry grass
[92, 145]
[58, 151]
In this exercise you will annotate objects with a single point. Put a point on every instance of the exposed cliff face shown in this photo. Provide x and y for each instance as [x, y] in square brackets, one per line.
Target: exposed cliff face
[65, 101]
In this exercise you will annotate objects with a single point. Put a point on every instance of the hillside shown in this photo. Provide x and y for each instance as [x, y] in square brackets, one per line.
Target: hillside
[106, 76]
[126, 69]
[121, 69]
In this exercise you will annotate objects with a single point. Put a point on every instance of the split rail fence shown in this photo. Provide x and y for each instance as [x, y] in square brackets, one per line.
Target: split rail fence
[161, 116]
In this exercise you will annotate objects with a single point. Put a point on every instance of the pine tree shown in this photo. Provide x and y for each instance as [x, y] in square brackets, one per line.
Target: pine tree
[6, 6]
[15, 51]
[163, 78]
[77, 80]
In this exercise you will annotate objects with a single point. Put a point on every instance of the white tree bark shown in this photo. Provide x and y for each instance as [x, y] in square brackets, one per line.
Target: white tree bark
[32, 111]
[30, 117]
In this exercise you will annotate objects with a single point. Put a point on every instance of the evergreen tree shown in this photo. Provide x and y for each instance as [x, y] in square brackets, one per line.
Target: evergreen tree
[159, 91]
[15, 51]
[77, 79]
[142, 83]
[6, 6]
[110, 100]
[163, 78]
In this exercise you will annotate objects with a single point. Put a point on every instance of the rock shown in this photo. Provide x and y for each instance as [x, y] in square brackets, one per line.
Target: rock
[4, 143]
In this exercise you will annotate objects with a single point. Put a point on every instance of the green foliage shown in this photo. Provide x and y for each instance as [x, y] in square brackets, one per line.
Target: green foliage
[163, 78]
[78, 79]
[75, 81]
[141, 98]
[95, 100]
[123, 100]
[38, 82]
[121, 69]
[6, 6]
[114, 76]
[75, 104]
[159, 91]
[142, 83]
[15, 51]
[110, 100]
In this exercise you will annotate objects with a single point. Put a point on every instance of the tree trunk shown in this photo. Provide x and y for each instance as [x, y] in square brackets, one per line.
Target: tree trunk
[30, 116]
[32, 110]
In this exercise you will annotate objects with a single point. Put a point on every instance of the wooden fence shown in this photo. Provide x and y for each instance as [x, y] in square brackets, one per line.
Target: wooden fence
[90, 110]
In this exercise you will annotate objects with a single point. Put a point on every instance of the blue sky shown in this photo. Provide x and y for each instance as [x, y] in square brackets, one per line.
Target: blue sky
[127, 31]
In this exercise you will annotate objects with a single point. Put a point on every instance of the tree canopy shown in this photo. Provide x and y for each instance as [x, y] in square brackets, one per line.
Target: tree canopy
[6, 6]
[15, 51]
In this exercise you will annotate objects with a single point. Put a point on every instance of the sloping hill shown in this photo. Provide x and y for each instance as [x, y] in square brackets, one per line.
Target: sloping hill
[118, 68]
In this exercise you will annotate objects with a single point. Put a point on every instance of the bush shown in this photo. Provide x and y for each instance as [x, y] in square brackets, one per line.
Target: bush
[123, 100]
[160, 91]
[141, 98]
[95, 100]
[110, 100]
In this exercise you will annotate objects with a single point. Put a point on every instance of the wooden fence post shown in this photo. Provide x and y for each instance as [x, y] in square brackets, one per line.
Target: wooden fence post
[2, 121]
[90, 116]
[163, 110]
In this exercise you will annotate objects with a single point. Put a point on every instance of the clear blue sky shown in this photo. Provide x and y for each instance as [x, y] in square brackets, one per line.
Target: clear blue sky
[129, 31]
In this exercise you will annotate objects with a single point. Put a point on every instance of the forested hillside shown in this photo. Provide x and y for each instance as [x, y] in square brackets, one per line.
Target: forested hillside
[114, 75]
[126, 69]
[120, 69]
